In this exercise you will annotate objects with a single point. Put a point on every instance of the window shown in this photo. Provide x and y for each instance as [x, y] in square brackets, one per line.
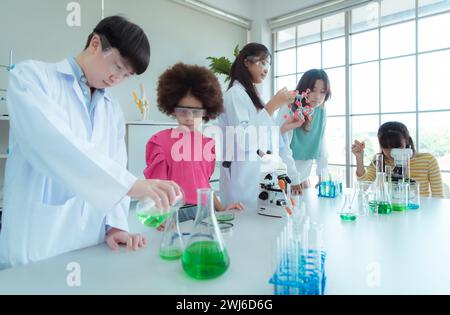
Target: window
[387, 78]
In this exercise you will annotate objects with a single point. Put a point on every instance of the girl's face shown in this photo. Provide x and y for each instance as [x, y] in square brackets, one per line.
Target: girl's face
[317, 94]
[189, 112]
[258, 68]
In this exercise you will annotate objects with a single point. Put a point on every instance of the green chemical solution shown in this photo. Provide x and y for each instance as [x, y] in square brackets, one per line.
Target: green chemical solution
[225, 217]
[399, 207]
[205, 260]
[382, 207]
[152, 219]
[350, 217]
[171, 254]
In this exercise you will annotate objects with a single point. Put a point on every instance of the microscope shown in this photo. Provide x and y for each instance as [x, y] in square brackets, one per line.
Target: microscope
[274, 199]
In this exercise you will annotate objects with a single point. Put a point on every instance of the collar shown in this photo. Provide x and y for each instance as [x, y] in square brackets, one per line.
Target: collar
[66, 68]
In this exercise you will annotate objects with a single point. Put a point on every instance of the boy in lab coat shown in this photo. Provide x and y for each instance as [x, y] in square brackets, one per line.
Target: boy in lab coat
[66, 183]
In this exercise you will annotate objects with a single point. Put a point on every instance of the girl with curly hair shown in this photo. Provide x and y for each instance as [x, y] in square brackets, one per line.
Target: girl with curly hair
[191, 94]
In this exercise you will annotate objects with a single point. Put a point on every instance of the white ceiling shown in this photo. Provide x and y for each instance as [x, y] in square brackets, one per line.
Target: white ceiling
[261, 9]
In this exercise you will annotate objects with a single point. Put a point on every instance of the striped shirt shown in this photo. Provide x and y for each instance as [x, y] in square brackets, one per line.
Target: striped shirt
[424, 169]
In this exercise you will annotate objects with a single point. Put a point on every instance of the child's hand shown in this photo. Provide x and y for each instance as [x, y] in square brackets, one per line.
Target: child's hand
[292, 122]
[116, 237]
[283, 97]
[161, 227]
[234, 206]
[163, 192]
[358, 149]
[296, 190]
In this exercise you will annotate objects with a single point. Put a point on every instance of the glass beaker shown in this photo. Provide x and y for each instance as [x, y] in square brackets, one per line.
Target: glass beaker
[399, 195]
[380, 201]
[349, 211]
[205, 256]
[172, 244]
[363, 191]
[414, 195]
[150, 216]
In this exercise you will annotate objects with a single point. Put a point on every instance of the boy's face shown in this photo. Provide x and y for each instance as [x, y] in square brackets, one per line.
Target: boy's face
[105, 68]
[189, 112]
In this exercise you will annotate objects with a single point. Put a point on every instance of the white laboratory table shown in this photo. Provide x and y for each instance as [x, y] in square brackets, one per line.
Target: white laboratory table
[401, 253]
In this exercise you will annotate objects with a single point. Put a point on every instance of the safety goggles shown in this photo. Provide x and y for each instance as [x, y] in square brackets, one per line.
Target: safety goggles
[266, 64]
[186, 111]
[118, 68]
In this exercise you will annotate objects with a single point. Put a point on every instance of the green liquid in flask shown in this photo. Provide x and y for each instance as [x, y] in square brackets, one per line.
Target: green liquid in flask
[348, 217]
[152, 220]
[397, 207]
[171, 254]
[383, 207]
[205, 260]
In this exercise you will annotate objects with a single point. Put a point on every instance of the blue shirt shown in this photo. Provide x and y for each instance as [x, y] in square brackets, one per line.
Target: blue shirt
[85, 89]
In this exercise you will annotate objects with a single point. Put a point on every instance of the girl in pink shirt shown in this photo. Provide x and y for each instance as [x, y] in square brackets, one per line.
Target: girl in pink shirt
[192, 94]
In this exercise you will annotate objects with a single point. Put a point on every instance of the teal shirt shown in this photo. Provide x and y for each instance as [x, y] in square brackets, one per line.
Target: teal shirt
[305, 145]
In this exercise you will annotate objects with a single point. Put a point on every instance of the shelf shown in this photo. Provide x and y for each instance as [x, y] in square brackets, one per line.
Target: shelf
[4, 118]
[3, 156]
[151, 123]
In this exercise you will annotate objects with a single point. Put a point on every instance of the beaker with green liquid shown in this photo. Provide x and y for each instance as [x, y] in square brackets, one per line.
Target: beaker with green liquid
[150, 216]
[380, 199]
[205, 256]
[399, 195]
[172, 245]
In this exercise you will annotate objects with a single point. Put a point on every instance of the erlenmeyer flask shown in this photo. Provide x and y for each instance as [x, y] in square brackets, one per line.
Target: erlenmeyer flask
[205, 256]
[349, 210]
[380, 200]
[172, 244]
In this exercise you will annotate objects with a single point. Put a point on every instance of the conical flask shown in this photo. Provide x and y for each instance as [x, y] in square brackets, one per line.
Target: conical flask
[172, 244]
[205, 256]
[380, 200]
[349, 211]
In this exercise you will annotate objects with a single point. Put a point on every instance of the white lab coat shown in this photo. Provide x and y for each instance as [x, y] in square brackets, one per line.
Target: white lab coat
[65, 180]
[240, 182]
[300, 170]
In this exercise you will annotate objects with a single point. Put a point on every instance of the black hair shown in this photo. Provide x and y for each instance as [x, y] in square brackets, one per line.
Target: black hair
[241, 73]
[128, 38]
[391, 134]
[308, 81]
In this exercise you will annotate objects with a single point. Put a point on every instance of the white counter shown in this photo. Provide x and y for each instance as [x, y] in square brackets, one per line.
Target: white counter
[402, 253]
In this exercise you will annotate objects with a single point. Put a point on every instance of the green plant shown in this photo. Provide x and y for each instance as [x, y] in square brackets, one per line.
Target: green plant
[222, 65]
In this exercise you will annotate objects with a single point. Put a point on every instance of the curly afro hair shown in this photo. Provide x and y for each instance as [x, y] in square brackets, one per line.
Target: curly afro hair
[182, 80]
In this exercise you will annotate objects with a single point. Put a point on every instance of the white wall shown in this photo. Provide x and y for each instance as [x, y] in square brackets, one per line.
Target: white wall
[38, 30]
[176, 33]
[260, 11]
[266, 10]
[280, 7]
[243, 8]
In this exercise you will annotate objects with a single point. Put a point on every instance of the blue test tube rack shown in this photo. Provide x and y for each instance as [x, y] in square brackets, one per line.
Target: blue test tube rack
[307, 280]
[330, 189]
